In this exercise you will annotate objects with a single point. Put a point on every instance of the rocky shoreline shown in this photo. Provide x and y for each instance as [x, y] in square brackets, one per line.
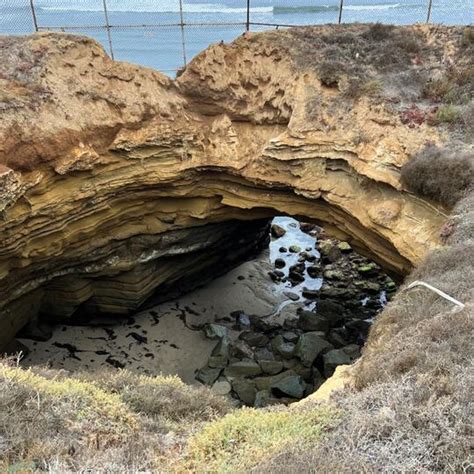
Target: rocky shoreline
[332, 293]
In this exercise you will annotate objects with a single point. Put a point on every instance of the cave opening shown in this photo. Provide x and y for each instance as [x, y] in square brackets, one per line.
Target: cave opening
[294, 305]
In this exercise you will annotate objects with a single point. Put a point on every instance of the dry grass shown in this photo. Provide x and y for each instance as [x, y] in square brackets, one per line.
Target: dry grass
[241, 440]
[440, 174]
[109, 421]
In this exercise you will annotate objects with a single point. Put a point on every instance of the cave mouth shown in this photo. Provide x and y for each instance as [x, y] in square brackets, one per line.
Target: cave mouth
[270, 330]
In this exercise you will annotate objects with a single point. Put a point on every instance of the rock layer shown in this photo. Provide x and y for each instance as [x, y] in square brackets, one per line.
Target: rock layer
[116, 180]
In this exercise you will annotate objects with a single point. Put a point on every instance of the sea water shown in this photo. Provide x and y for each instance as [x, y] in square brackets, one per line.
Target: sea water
[137, 39]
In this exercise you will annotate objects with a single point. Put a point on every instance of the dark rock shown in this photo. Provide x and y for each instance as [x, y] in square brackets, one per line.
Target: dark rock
[344, 247]
[265, 323]
[271, 367]
[245, 390]
[329, 250]
[243, 368]
[283, 250]
[115, 363]
[264, 354]
[336, 293]
[334, 358]
[292, 296]
[336, 339]
[241, 349]
[295, 278]
[291, 386]
[220, 354]
[264, 383]
[295, 249]
[314, 271]
[215, 331]
[283, 348]
[331, 311]
[290, 336]
[333, 274]
[352, 350]
[311, 294]
[277, 231]
[262, 398]
[369, 269]
[309, 346]
[368, 286]
[280, 263]
[298, 268]
[208, 375]
[138, 337]
[254, 339]
[311, 321]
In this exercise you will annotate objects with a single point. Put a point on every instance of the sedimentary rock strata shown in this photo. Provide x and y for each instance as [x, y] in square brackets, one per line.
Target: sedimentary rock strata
[115, 180]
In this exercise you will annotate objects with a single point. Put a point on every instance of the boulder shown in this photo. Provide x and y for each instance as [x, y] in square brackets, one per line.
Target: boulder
[334, 358]
[215, 331]
[277, 231]
[290, 336]
[240, 349]
[309, 346]
[245, 390]
[265, 383]
[292, 296]
[262, 398]
[291, 386]
[314, 271]
[220, 354]
[208, 375]
[294, 249]
[254, 339]
[280, 263]
[330, 310]
[271, 367]
[310, 293]
[311, 321]
[221, 387]
[243, 368]
[264, 354]
[283, 348]
[344, 247]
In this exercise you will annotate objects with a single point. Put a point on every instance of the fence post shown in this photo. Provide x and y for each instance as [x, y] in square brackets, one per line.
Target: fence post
[107, 25]
[428, 16]
[183, 39]
[341, 5]
[247, 23]
[33, 14]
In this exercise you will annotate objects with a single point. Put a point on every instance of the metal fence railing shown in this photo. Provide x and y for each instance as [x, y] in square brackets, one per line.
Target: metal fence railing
[165, 34]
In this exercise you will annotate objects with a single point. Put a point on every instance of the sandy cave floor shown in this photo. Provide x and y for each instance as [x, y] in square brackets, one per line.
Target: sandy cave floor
[160, 340]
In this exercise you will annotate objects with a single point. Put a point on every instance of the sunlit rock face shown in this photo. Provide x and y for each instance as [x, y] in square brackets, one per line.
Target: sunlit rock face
[116, 181]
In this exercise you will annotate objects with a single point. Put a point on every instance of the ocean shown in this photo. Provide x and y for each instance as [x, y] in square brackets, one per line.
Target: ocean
[136, 39]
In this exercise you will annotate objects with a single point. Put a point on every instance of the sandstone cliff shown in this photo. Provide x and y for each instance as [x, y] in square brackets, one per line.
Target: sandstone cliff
[107, 170]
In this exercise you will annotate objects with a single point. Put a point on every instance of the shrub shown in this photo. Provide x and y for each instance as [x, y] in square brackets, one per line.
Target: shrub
[247, 437]
[330, 73]
[166, 399]
[378, 32]
[439, 175]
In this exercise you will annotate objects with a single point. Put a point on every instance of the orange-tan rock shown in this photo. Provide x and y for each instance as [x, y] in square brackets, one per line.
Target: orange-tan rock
[115, 180]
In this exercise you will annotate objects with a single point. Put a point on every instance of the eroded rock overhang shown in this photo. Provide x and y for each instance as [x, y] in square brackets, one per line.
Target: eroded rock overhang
[111, 173]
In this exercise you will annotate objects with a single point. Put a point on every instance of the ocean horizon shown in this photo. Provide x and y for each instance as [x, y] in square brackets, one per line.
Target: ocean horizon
[147, 32]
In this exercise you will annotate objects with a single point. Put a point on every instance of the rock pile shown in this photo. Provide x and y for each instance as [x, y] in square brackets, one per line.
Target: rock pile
[285, 356]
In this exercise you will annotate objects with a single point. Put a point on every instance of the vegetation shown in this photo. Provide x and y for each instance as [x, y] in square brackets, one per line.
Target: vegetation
[439, 174]
[247, 437]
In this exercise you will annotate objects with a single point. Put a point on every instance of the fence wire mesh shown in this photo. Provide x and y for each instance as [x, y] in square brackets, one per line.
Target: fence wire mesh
[165, 34]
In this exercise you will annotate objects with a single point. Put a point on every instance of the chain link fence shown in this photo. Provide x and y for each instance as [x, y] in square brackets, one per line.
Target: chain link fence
[166, 34]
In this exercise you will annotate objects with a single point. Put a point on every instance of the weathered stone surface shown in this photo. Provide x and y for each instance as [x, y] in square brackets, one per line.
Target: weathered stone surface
[245, 390]
[309, 346]
[334, 358]
[119, 181]
[243, 368]
[220, 354]
[283, 348]
[208, 375]
[216, 331]
[221, 387]
[291, 386]
[312, 321]
[271, 367]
